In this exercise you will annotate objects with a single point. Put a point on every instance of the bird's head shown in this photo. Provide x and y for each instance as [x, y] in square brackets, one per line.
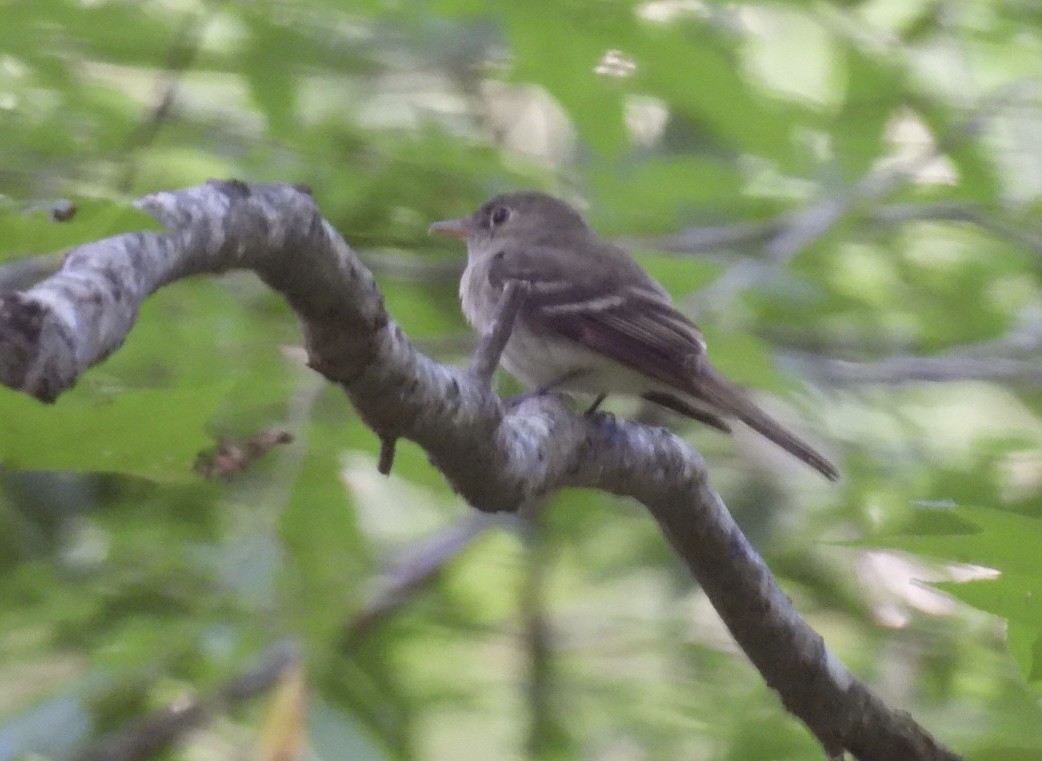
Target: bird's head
[526, 215]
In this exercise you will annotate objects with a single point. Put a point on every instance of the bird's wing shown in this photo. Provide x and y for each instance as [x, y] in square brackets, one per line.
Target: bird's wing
[634, 325]
[637, 325]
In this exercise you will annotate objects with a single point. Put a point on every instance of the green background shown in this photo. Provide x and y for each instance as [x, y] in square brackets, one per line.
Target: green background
[129, 583]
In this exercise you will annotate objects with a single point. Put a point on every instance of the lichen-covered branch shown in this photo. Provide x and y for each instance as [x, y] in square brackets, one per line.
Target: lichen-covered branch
[496, 456]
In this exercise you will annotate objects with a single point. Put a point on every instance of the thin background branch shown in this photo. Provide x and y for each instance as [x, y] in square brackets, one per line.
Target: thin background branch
[166, 727]
[179, 59]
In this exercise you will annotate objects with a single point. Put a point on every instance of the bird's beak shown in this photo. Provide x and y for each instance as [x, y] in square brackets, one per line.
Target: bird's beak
[456, 228]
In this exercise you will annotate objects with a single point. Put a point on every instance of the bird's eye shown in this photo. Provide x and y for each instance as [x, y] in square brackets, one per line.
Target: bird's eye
[499, 215]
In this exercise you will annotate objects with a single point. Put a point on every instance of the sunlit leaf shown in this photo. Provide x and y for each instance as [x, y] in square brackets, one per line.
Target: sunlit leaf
[998, 539]
[1016, 597]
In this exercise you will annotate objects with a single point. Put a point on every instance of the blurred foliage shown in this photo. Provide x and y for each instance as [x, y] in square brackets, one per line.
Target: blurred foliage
[73, 224]
[889, 150]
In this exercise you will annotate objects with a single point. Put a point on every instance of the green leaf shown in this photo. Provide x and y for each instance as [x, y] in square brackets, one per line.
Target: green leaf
[327, 556]
[695, 71]
[978, 178]
[1022, 640]
[1005, 541]
[997, 752]
[93, 219]
[681, 275]
[579, 37]
[154, 434]
[874, 93]
[416, 307]
[655, 195]
[269, 67]
[1016, 598]
[746, 360]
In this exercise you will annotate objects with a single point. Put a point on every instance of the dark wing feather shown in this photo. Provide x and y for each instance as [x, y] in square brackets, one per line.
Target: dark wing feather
[681, 407]
[635, 325]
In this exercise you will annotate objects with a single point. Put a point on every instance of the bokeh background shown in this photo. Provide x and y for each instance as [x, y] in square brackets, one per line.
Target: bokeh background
[845, 195]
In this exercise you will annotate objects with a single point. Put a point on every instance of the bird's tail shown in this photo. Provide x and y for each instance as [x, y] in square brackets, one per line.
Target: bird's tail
[730, 399]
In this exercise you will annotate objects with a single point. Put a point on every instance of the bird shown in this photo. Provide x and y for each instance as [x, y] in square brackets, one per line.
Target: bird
[592, 320]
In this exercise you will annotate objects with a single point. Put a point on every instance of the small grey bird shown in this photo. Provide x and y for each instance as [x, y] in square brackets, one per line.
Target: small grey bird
[593, 321]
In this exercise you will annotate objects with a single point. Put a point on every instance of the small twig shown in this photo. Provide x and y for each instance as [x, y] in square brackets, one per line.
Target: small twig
[180, 57]
[942, 211]
[955, 211]
[911, 369]
[544, 723]
[1023, 238]
[387, 452]
[805, 226]
[696, 240]
[1013, 358]
[233, 456]
[486, 357]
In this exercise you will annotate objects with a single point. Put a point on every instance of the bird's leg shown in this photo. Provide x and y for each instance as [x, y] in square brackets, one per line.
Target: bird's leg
[596, 404]
[546, 388]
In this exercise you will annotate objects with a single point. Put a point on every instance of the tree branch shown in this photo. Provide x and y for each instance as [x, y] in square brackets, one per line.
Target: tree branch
[159, 730]
[419, 567]
[1012, 359]
[497, 457]
[694, 240]
[546, 722]
[939, 369]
